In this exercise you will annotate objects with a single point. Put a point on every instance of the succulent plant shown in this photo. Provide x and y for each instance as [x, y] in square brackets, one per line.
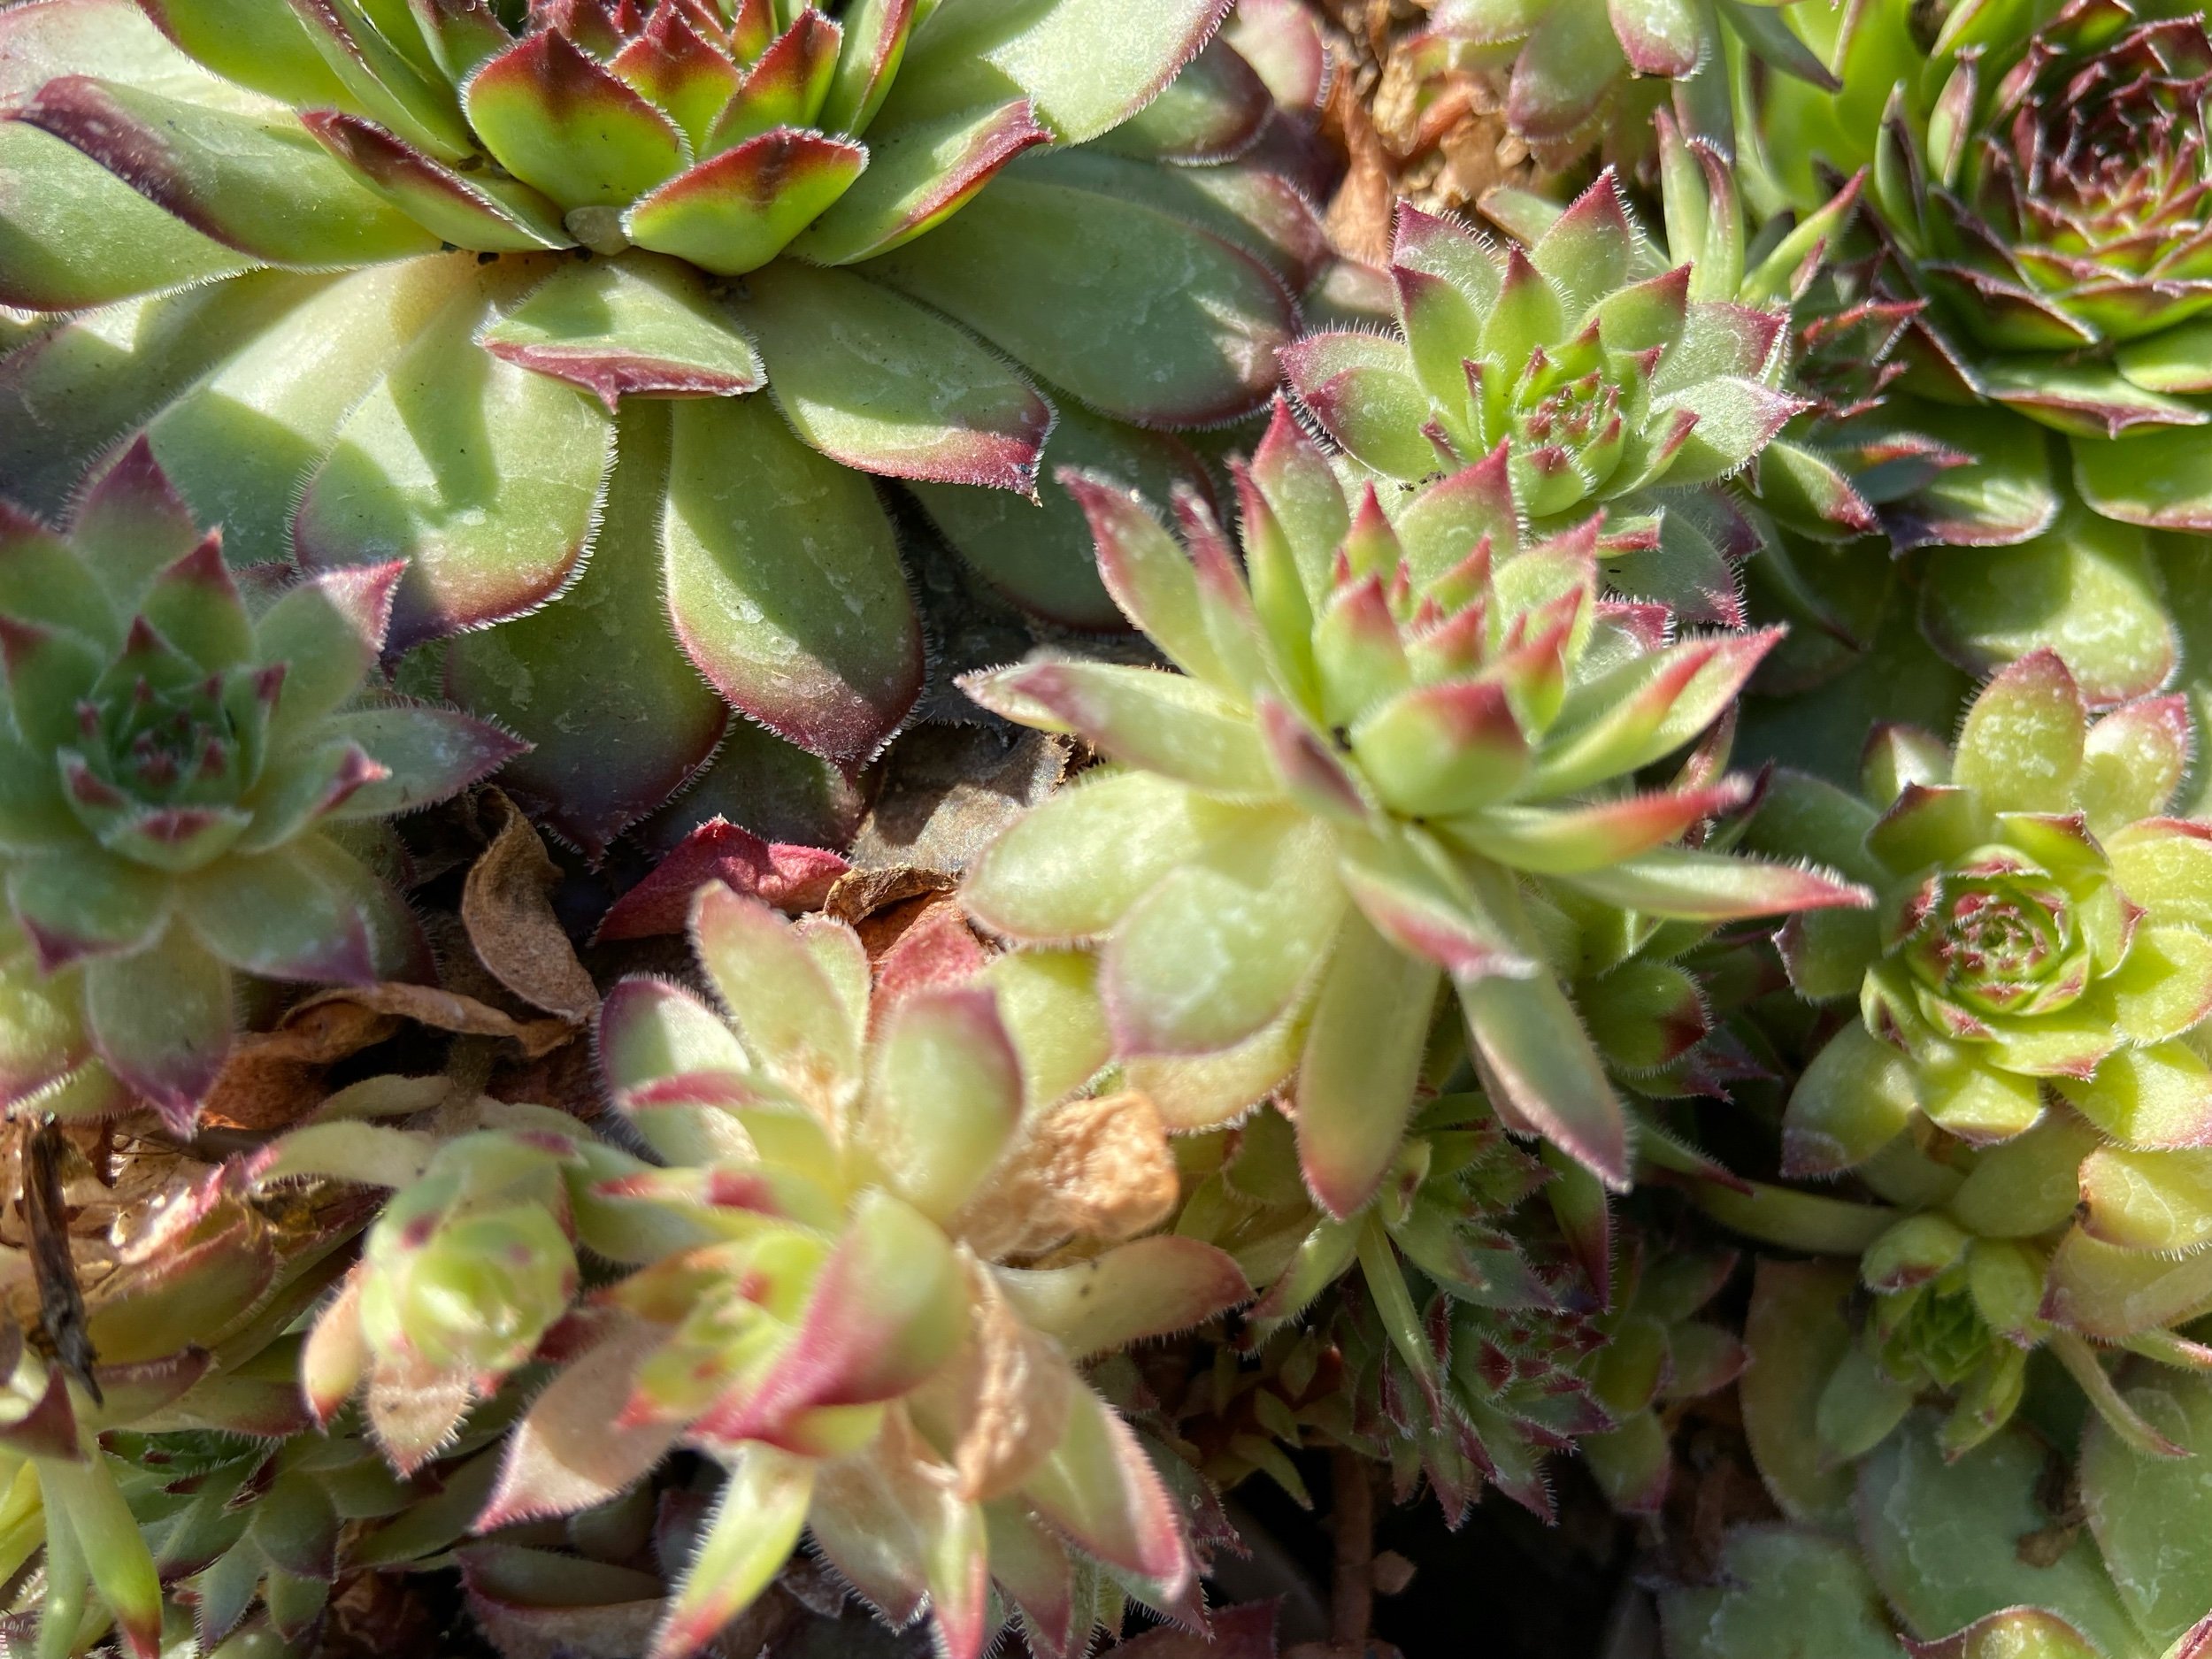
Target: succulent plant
[1607, 378]
[2035, 169]
[1656, 1355]
[1394, 752]
[189, 1280]
[470, 1264]
[189, 764]
[1460, 1317]
[1570, 65]
[2036, 930]
[2023, 1084]
[404, 284]
[829, 1295]
[2109, 1568]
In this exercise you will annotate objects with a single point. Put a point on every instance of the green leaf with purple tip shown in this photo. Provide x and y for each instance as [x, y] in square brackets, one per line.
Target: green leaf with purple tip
[789, 600]
[483, 476]
[1362, 388]
[161, 1018]
[478, 212]
[554, 117]
[1532, 1054]
[868, 378]
[917, 176]
[206, 165]
[640, 325]
[737, 211]
[73, 234]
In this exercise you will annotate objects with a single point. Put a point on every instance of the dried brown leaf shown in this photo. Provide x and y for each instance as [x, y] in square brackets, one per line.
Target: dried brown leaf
[505, 907]
[273, 1079]
[1359, 216]
[1100, 1167]
[447, 1011]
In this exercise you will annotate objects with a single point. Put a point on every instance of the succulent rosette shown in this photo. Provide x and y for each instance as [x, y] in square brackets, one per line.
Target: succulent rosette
[839, 1293]
[188, 1282]
[1657, 1354]
[1920, 1551]
[2037, 929]
[188, 767]
[1394, 752]
[408, 284]
[471, 1262]
[2023, 1084]
[1457, 1319]
[2038, 171]
[1611, 377]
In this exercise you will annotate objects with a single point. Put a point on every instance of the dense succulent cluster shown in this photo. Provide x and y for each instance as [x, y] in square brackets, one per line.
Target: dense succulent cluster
[1622, 874]
[399, 284]
[145, 1444]
[1399, 755]
[190, 765]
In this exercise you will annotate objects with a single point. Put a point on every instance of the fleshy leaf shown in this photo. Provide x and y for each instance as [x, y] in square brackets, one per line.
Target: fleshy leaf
[1213, 315]
[2021, 745]
[634, 325]
[604, 647]
[737, 211]
[1363, 1056]
[484, 476]
[1532, 1053]
[556, 119]
[755, 1525]
[792, 603]
[946, 1095]
[872, 380]
[161, 1018]
[204, 164]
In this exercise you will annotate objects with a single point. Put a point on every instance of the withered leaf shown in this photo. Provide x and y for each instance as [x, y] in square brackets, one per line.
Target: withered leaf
[1100, 1167]
[447, 1010]
[505, 907]
[61, 1308]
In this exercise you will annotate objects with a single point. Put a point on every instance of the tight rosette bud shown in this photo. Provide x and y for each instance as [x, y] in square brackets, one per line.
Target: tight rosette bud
[182, 764]
[818, 1301]
[1398, 760]
[547, 236]
[1608, 377]
[467, 1269]
[2036, 932]
[471, 1262]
